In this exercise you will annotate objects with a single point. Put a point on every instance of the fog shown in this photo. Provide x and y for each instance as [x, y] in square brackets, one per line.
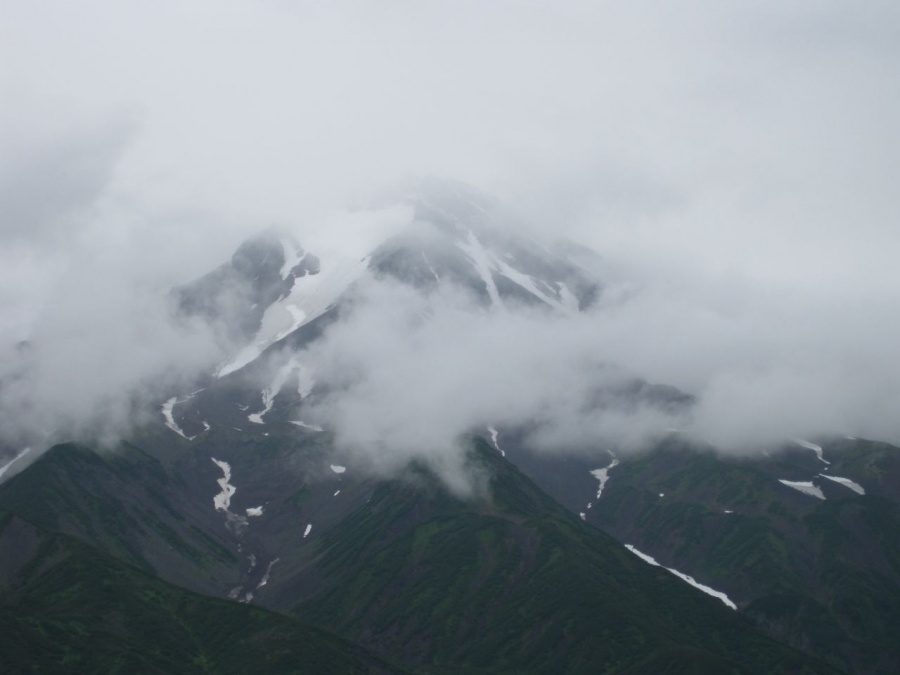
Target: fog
[735, 165]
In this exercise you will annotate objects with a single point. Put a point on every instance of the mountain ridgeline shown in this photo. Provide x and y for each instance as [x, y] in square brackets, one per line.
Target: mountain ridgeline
[231, 534]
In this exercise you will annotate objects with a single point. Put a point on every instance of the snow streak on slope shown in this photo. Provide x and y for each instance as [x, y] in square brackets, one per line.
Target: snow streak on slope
[482, 262]
[265, 578]
[293, 256]
[167, 410]
[278, 382]
[222, 501]
[806, 487]
[487, 263]
[684, 577]
[311, 427]
[602, 475]
[812, 446]
[530, 284]
[15, 459]
[846, 482]
[309, 298]
[494, 434]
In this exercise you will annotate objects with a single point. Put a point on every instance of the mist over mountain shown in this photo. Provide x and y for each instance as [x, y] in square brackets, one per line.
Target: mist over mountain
[339, 310]
[717, 161]
[461, 317]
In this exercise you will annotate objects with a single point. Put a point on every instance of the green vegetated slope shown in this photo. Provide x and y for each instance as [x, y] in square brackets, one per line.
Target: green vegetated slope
[822, 575]
[67, 608]
[130, 505]
[511, 582]
[505, 582]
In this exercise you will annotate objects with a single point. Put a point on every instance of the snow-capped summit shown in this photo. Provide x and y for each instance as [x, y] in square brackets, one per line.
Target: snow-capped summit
[463, 237]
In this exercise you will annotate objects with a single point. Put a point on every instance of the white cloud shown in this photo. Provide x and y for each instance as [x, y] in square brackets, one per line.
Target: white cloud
[737, 161]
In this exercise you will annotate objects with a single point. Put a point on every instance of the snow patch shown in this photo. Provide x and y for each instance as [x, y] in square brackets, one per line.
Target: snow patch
[846, 482]
[806, 487]
[167, 410]
[307, 530]
[494, 434]
[265, 578]
[311, 427]
[602, 475]
[269, 393]
[482, 263]
[293, 256]
[255, 511]
[812, 446]
[310, 297]
[15, 459]
[528, 283]
[337, 468]
[684, 577]
[222, 501]
[337, 492]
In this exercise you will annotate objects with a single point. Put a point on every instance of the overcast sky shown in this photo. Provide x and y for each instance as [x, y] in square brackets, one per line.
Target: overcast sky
[740, 160]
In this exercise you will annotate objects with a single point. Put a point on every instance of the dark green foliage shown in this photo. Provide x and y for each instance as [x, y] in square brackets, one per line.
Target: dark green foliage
[71, 609]
[508, 581]
[513, 583]
[125, 503]
[823, 576]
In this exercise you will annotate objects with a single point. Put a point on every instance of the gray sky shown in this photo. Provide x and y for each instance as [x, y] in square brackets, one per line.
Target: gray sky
[738, 161]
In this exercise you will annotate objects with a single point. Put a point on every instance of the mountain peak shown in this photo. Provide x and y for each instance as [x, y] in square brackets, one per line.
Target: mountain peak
[462, 236]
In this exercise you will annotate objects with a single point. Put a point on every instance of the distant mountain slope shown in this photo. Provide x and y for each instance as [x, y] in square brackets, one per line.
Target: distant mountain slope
[129, 505]
[513, 583]
[809, 558]
[234, 493]
[66, 607]
[510, 582]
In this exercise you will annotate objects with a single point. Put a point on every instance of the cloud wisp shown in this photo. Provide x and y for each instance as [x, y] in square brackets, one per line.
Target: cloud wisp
[408, 375]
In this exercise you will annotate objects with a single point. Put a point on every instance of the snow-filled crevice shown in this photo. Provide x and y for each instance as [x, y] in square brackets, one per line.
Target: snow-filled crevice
[19, 455]
[494, 435]
[815, 448]
[684, 577]
[846, 482]
[481, 260]
[806, 487]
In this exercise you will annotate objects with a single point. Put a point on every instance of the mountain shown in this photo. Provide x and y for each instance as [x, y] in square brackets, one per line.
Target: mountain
[506, 582]
[808, 548]
[458, 239]
[67, 607]
[232, 497]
